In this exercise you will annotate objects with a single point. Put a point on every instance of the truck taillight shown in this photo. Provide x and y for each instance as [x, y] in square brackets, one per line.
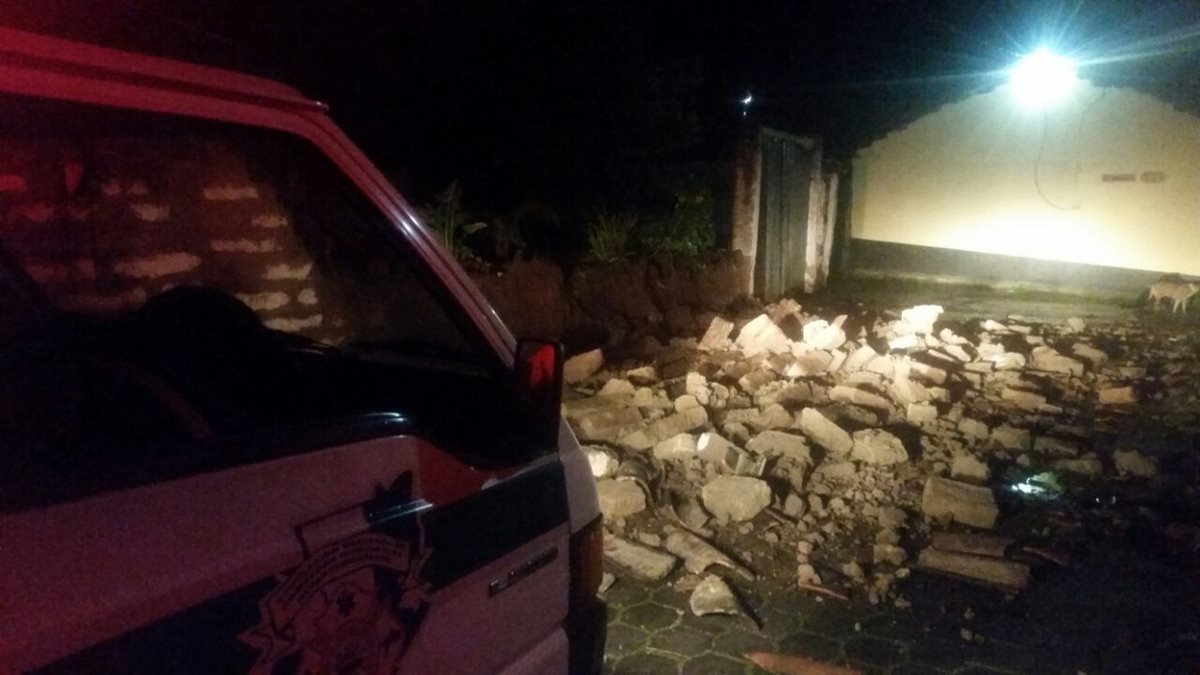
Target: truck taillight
[587, 562]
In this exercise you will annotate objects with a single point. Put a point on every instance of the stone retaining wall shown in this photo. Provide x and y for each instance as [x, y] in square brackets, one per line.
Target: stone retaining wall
[596, 303]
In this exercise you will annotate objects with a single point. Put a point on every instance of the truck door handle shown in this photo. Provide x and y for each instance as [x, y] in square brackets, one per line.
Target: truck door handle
[320, 532]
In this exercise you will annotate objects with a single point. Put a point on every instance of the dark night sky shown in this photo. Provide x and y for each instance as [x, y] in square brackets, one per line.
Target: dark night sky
[584, 100]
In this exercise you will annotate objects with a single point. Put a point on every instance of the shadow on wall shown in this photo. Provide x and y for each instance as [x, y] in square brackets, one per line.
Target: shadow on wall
[597, 304]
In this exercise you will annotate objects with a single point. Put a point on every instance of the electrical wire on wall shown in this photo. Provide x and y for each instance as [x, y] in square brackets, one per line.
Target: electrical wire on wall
[1037, 164]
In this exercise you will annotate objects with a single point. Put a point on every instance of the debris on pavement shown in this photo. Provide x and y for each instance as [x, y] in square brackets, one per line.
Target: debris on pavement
[783, 664]
[838, 453]
[713, 596]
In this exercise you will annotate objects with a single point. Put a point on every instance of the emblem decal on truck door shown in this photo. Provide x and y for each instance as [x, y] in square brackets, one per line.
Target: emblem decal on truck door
[353, 607]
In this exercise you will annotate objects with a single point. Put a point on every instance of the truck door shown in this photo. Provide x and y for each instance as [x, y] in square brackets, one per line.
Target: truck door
[245, 428]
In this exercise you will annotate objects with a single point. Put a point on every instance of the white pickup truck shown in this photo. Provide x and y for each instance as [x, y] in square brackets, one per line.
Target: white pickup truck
[253, 418]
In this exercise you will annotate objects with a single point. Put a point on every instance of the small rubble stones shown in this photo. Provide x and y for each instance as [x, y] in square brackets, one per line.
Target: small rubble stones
[845, 427]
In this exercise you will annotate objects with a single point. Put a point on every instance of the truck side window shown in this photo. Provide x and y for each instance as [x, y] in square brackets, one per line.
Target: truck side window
[181, 283]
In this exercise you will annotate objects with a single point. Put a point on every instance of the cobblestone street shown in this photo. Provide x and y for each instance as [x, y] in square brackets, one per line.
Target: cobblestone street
[1116, 612]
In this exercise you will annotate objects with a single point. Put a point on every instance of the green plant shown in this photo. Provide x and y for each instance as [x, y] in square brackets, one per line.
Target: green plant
[609, 236]
[687, 230]
[451, 221]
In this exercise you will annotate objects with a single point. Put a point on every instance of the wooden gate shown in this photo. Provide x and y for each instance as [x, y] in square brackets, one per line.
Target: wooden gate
[796, 214]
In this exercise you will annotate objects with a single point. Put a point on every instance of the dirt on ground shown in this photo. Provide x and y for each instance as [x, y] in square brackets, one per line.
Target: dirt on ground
[1026, 477]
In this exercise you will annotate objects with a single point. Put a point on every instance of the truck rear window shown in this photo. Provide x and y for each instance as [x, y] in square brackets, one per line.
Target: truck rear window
[179, 295]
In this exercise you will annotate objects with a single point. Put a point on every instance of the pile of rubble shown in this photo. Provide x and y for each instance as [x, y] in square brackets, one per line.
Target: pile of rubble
[849, 451]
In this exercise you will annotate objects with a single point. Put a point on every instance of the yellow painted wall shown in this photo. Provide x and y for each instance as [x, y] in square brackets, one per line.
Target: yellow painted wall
[963, 177]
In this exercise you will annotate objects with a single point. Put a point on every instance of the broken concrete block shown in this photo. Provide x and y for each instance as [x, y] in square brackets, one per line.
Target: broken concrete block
[773, 416]
[697, 385]
[762, 336]
[755, 379]
[963, 503]
[616, 387]
[858, 359]
[778, 443]
[717, 334]
[602, 463]
[1088, 465]
[698, 555]
[712, 447]
[820, 334]
[876, 446]
[812, 362]
[620, 498]
[785, 393]
[736, 498]
[678, 423]
[642, 376]
[794, 506]
[742, 463]
[1003, 573]
[967, 466]
[637, 440]
[921, 317]
[686, 402]
[1061, 447]
[972, 429]
[1090, 354]
[582, 366]
[607, 424]
[957, 353]
[921, 413]
[1025, 400]
[835, 364]
[1048, 359]
[883, 365]
[713, 596]
[641, 561]
[834, 471]
[678, 447]
[857, 396]
[825, 432]
[645, 397]
[905, 391]
[1009, 361]
[1134, 463]
[988, 545]
[1118, 396]
[931, 374]
[903, 342]
[1011, 438]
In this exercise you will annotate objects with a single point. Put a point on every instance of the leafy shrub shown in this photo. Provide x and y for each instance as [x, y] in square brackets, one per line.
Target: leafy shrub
[609, 236]
[451, 221]
[687, 230]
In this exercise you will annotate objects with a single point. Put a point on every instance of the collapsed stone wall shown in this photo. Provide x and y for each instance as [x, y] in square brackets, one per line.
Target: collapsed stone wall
[842, 454]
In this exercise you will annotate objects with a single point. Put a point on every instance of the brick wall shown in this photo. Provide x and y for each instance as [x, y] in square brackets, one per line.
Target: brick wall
[102, 225]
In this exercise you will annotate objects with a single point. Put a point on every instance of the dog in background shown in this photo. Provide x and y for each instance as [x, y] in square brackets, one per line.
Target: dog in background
[1174, 288]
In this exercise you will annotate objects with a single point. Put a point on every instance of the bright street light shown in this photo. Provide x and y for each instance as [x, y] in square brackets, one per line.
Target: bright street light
[1042, 78]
